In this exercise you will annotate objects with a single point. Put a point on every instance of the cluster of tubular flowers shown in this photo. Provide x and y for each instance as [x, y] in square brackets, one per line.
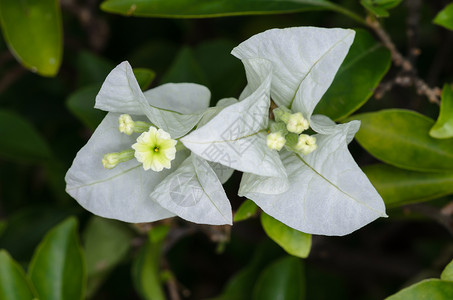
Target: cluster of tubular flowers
[287, 130]
[154, 148]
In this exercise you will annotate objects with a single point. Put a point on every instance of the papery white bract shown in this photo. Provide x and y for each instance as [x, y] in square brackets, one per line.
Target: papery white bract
[128, 192]
[322, 191]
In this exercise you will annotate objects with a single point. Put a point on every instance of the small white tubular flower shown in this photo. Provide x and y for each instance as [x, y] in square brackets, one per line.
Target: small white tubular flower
[155, 149]
[275, 141]
[306, 144]
[111, 160]
[297, 123]
[126, 124]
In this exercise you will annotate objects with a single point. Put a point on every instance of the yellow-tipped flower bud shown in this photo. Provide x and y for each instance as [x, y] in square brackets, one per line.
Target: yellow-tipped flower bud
[297, 123]
[111, 160]
[275, 141]
[306, 144]
[126, 124]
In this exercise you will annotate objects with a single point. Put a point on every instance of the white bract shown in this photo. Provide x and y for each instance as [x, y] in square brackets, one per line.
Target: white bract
[145, 177]
[313, 184]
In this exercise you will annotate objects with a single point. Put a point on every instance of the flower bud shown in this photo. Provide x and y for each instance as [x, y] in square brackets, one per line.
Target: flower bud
[275, 141]
[297, 123]
[306, 144]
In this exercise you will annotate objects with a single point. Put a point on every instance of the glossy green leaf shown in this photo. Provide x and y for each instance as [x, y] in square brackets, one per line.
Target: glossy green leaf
[14, 284]
[210, 8]
[362, 70]
[107, 242]
[33, 32]
[447, 273]
[144, 77]
[445, 17]
[379, 7]
[81, 104]
[399, 187]
[57, 268]
[283, 280]
[443, 128]
[19, 140]
[185, 68]
[293, 241]
[245, 211]
[432, 289]
[401, 138]
[146, 268]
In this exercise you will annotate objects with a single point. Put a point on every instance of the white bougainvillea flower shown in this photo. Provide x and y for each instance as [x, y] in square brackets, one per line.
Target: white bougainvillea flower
[327, 193]
[237, 136]
[155, 149]
[149, 179]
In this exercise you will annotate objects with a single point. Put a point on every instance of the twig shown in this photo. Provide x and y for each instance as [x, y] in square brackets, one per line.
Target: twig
[96, 28]
[413, 20]
[399, 60]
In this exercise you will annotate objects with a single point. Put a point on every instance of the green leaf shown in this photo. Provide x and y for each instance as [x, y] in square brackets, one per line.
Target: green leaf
[445, 17]
[185, 68]
[81, 104]
[20, 141]
[146, 268]
[107, 243]
[432, 289]
[293, 241]
[443, 128]
[400, 138]
[144, 77]
[245, 211]
[57, 268]
[379, 7]
[399, 187]
[447, 273]
[208, 8]
[283, 280]
[362, 70]
[14, 285]
[33, 32]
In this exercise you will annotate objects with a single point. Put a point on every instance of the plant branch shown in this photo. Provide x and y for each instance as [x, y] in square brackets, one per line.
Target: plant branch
[408, 69]
[96, 28]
